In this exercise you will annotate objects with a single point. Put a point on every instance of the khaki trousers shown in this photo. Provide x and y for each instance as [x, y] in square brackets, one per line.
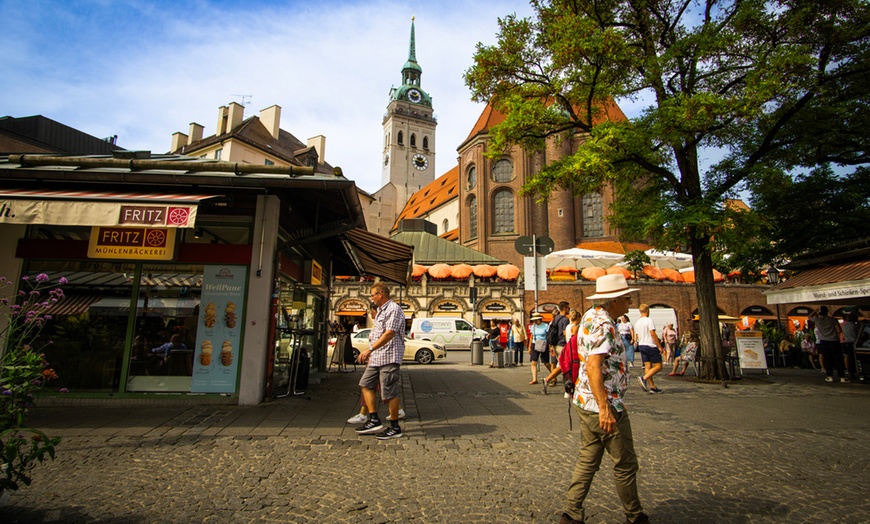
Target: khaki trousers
[620, 446]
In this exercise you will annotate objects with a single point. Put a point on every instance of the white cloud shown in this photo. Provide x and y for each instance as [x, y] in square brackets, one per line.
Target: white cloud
[144, 70]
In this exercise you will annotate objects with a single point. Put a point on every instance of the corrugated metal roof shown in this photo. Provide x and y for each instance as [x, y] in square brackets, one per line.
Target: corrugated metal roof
[430, 249]
[844, 272]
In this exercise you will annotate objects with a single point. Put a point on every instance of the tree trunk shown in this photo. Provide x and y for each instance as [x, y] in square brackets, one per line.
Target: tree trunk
[710, 350]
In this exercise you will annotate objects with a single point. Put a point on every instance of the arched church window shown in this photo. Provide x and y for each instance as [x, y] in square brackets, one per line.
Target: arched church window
[593, 215]
[503, 171]
[426, 143]
[413, 140]
[472, 216]
[503, 211]
[400, 138]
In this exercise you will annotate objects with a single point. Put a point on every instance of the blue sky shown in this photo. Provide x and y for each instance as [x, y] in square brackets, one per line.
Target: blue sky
[144, 70]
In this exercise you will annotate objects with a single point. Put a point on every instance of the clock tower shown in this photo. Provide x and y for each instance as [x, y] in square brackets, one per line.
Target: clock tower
[409, 133]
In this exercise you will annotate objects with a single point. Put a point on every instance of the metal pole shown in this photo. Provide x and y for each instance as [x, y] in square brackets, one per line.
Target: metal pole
[535, 264]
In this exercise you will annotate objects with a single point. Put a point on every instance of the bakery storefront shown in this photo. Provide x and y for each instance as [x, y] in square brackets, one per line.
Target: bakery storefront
[175, 291]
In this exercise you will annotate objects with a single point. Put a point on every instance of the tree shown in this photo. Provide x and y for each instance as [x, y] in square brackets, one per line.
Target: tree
[635, 260]
[737, 79]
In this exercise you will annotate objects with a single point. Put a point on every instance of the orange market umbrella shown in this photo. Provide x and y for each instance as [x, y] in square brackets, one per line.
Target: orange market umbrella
[673, 275]
[654, 272]
[592, 273]
[616, 270]
[718, 277]
[440, 270]
[566, 269]
[484, 270]
[508, 272]
[461, 271]
[418, 270]
[734, 273]
[688, 276]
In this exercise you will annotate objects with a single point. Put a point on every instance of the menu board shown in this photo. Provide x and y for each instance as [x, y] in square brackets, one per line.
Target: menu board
[750, 348]
[218, 335]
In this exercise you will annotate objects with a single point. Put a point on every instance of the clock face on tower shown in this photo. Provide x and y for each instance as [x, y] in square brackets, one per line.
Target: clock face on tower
[414, 96]
[420, 162]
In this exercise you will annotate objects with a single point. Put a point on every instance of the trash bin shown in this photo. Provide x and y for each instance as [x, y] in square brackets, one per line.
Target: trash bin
[476, 353]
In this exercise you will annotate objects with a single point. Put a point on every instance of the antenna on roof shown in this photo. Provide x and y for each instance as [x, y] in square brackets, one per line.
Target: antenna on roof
[246, 99]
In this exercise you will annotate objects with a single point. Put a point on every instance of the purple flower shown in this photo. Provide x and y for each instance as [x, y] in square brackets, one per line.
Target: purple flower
[42, 277]
[6, 392]
[25, 278]
[63, 281]
[63, 390]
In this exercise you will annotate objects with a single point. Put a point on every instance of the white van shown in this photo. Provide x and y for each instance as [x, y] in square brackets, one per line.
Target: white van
[452, 333]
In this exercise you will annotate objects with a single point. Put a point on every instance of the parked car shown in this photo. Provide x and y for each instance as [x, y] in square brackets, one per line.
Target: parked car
[424, 352]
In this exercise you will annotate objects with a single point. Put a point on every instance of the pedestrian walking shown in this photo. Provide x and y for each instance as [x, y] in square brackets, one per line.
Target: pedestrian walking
[384, 359]
[538, 351]
[598, 393]
[650, 348]
[626, 331]
[519, 334]
[828, 340]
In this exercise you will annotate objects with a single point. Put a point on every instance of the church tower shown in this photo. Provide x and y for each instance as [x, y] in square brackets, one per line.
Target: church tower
[409, 133]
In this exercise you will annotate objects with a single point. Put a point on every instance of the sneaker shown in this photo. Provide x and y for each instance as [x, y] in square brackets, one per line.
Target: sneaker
[567, 519]
[640, 519]
[545, 388]
[829, 379]
[359, 418]
[390, 432]
[844, 379]
[370, 428]
[643, 384]
[655, 390]
[402, 415]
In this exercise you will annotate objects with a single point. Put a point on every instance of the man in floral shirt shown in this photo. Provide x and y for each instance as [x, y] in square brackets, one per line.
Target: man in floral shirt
[598, 396]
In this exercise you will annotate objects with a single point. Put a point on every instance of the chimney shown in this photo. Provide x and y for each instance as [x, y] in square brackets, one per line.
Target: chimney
[179, 140]
[271, 118]
[195, 133]
[222, 121]
[237, 114]
[319, 144]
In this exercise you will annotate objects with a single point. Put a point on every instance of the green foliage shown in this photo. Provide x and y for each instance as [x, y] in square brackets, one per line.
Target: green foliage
[23, 372]
[635, 261]
[766, 86]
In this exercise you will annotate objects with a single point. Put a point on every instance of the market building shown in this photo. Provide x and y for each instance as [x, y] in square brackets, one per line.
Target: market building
[231, 262]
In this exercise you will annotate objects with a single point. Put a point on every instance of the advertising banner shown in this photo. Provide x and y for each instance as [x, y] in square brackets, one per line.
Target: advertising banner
[750, 349]
[218, 336]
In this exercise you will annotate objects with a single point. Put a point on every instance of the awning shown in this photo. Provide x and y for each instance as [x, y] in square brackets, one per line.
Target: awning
[100, 208]
[72, 305]
[847, 283]
[379, 256]
[496, 316]
[351, 313]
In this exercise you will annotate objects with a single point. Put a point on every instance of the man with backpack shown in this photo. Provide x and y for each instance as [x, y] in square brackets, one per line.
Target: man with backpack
[556, 339]
[597, 394]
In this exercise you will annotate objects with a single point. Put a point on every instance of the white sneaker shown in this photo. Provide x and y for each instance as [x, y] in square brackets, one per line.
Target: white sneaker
[829, 379]
[359, 418]
[402, 414]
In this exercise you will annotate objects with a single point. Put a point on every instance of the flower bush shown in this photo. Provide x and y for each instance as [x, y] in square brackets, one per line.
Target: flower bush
[23, 371]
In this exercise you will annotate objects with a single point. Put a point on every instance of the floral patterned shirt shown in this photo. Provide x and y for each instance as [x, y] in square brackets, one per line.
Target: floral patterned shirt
[598, 335]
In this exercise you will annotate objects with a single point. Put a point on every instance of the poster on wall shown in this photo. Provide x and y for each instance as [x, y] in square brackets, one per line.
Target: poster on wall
[218, 336]
[750, 348]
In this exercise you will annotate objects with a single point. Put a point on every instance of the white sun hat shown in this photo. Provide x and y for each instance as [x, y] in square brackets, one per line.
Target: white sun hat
[611, 286]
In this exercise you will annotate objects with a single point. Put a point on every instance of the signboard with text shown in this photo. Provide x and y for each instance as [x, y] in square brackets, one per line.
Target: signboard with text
[218, 335]
[132, 243]
[750, 350]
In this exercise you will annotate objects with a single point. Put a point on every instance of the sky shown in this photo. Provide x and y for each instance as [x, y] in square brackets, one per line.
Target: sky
[144, 70]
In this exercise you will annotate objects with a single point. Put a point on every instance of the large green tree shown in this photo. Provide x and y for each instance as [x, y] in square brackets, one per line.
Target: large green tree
[731, 92]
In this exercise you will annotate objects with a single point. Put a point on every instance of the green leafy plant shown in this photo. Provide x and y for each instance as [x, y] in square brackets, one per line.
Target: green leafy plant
[23, 372]
[635, 260]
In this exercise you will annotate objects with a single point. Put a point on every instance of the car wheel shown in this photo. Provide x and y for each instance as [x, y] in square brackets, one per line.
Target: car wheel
[425, 356]
[355, 355]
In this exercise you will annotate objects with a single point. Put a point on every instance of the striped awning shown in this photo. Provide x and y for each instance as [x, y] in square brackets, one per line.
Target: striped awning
[101, 208]
[72, 305]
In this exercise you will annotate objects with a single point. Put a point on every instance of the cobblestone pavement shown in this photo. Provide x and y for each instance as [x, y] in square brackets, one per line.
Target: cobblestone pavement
[480, 445]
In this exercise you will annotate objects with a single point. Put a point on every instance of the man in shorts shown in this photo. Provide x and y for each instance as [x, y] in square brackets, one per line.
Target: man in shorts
[650, 348]
[384, 357]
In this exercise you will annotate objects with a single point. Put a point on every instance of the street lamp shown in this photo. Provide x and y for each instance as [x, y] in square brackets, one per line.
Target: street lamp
[773, 279]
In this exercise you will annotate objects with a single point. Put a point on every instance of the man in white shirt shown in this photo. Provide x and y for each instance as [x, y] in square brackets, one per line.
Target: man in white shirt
[650, 348]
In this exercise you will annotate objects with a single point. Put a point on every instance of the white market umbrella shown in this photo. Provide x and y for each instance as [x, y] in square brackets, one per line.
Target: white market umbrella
[669, 259]
[582, 258]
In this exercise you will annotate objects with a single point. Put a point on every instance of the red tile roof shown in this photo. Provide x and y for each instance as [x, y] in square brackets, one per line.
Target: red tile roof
[432, 196]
